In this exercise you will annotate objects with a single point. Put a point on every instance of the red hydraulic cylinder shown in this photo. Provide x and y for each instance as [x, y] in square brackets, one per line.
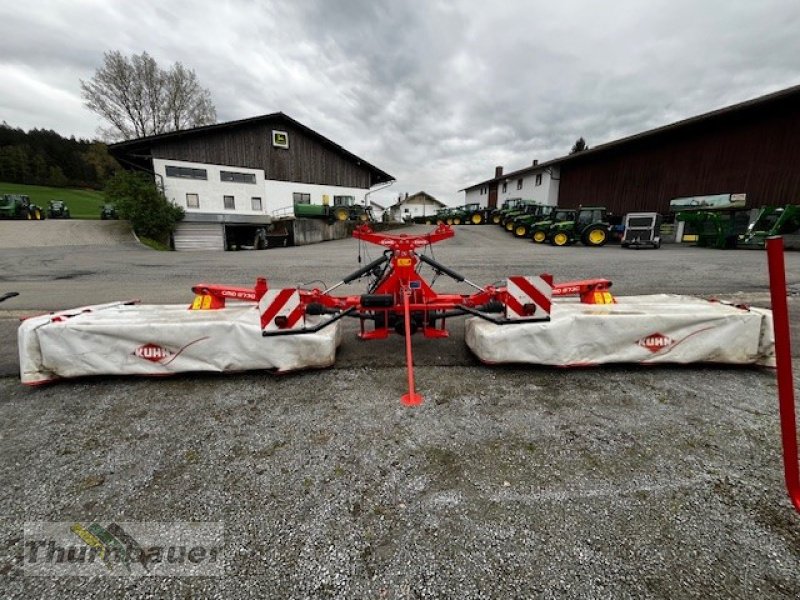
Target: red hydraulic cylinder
[783, 359]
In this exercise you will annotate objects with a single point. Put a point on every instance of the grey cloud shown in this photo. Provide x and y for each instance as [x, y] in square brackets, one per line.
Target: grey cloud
[436, 93]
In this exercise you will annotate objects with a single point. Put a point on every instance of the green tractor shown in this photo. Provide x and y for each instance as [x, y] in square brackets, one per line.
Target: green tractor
[57, 209]
[521, 208]
[496, 216]
[471, 214]
[534, 213]
[345, 208]
[589, 226]
[773, 220]
[714, 228]
[108, 212]
[19, 206]
[540, 230]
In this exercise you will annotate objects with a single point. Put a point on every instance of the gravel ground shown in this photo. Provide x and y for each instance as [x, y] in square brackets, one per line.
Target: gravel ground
[508, 482]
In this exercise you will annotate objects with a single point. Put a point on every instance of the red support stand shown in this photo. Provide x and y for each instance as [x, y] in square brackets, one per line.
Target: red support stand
[783, 359]
[411, 398]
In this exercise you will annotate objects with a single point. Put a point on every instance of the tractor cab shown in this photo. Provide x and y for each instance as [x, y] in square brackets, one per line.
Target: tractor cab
[521, 208]
[345, 208]
[589, 226]
[533, 213]
[57, 209]
[497, 215]
[540, 228]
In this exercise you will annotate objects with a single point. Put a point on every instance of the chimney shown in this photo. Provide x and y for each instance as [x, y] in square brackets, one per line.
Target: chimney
[498, 171]
[535, 162]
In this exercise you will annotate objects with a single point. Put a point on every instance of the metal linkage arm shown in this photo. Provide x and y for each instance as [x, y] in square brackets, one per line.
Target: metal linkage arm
[446, 270]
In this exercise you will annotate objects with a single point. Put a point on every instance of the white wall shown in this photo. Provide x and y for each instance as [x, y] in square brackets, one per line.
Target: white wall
[474, 195]
[545, 193]
[415, 208]
[275, 195]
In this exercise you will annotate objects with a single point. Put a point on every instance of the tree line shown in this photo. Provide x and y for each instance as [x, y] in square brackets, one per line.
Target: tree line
[43, 157]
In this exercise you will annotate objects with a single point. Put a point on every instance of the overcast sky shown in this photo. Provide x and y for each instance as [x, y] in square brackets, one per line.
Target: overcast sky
[435, 93]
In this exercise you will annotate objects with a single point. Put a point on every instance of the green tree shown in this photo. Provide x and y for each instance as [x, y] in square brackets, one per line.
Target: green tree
[139, 200]
[57, 177]
[579, 146]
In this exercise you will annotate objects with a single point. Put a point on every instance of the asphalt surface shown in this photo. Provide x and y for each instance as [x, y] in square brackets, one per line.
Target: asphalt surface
[508, 482]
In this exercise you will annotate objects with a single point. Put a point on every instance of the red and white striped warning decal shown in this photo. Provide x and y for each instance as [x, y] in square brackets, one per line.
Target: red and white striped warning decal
[280, 309]
[528, 296]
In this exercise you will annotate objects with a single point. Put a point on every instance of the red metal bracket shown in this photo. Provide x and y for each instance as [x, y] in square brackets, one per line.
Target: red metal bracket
[783, 359]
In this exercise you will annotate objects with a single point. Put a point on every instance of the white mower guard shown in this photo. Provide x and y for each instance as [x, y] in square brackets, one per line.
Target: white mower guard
[655, 329]
[130, 339]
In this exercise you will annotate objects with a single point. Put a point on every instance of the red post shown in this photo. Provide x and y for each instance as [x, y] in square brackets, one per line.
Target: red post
[411, 398]
[783, 359]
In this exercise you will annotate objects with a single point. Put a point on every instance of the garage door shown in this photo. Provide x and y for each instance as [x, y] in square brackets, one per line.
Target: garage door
[199, 236]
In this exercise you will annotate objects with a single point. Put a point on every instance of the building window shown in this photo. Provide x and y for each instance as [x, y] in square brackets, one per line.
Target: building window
[505, 187]
[186, 172]
[538, 179]
[519, 184]
[301, 198]
[237, 177]
[192, 201]
[256, 203]
[229, 202]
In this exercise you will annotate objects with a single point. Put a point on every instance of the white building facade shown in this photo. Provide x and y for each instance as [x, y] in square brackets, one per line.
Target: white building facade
[233, 179]
[231, 192]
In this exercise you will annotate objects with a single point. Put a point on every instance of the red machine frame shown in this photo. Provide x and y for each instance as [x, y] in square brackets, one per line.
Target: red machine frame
[400, 299]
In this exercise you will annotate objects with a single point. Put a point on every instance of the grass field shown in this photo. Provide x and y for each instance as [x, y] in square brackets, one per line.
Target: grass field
[83, 204]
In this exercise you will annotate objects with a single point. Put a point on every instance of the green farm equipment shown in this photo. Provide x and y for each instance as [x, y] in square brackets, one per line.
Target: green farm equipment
[109, 211]
[57, 209]
[470, 214]
[590, 226]
[19, 206]
[773, 220]
[522, 207]
[540, 230]
[714, 228]
[497, 215]
[534, 213]
[345, 208]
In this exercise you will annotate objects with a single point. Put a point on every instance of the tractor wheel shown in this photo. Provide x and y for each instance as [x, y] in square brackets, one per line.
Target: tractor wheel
[521, 230]
[363, 217]
[539, 236]
[496, 219]
[449, 221]
[559, 239]
[37, 214]
[595, 236]
[457, 221]
[509, 225]
[28, 215]
[340, 214]
[428, 222]
[476, 219]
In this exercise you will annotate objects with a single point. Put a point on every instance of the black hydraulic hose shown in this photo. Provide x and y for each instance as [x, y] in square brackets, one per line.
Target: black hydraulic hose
[364, 270]
[440, 267]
